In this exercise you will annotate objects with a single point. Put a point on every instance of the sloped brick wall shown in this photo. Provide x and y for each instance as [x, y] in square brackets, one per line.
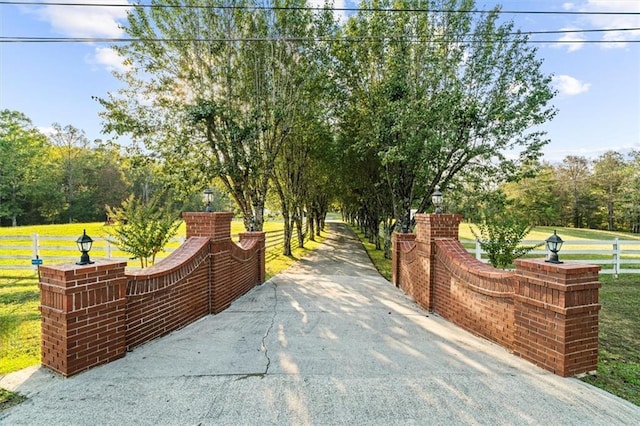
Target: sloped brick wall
[169, 294]
[92, 314]
[473, 295]
[545, 313]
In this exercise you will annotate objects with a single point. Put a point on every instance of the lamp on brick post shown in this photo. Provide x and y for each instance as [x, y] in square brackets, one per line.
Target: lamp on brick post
[436, 199]
[208, 196]
[84, 245]
[252, 223]
[554, 243]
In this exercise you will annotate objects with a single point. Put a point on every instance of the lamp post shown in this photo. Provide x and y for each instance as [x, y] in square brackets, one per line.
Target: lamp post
[436, 199]
[554, 243]
[252, 223]
[84, 245]
[208, 196]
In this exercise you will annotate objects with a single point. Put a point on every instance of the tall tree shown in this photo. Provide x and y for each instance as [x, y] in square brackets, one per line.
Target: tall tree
[22, 154]
[438, 94]
[72, 145]
[215, 88]
[610, 171]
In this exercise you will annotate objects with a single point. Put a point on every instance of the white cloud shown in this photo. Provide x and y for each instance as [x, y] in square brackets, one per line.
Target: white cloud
[572, 41]
[86, 21]
[568, 6]
[570, 86]
[47, 130]
[614, 21]
[340, 15]
[108, 57]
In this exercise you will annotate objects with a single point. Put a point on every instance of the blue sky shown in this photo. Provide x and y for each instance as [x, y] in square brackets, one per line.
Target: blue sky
[598, 84]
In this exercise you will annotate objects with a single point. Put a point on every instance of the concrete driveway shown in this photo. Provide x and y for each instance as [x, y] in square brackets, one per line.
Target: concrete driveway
[327, 342]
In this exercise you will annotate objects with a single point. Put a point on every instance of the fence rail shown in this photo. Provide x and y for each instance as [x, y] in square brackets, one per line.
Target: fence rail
[23, 252]
[615, 256]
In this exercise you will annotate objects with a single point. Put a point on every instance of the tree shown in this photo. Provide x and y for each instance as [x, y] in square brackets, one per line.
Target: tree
[438, 95]
[609, 173]
[500, 233]
[142, 229]
[574, 174]
[22, 154]
[221, 88]
[72, 145]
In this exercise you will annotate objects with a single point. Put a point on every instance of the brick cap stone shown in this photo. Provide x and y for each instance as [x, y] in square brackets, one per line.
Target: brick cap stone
[568, 268]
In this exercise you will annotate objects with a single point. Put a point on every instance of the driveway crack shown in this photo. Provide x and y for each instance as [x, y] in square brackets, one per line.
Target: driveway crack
[266, 334]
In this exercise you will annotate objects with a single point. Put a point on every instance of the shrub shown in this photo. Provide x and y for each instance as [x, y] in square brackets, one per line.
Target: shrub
[142, 229]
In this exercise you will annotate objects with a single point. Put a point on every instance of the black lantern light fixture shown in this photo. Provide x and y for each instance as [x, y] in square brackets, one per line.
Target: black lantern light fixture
[436, 199]
[252, 223]
[208, 197]
[84, 245]
[554, 243]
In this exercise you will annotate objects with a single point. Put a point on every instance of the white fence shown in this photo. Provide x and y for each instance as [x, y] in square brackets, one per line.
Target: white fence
[25, 252]
[614, 256]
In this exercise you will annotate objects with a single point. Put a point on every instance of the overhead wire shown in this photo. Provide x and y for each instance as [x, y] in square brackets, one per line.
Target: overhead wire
[315, 8]
[28, 39]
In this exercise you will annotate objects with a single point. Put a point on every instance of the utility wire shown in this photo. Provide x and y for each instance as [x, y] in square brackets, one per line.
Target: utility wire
[417, 39]
[314, 8]
[275, 39]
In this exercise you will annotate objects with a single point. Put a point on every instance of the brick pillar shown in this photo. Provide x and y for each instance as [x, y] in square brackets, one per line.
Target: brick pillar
[83, 315]
[216, 226]
[261, 237]
[429, 228]
[556, 315]
[397, 240]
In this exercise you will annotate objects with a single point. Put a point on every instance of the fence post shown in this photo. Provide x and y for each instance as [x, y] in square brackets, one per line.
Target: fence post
[616, 257]
[34, 248]
[478, 250]
[108, 249]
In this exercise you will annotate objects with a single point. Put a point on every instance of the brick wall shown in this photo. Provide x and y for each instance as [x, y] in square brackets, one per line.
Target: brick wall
[92, 314]
[545, 313]
[557, 315]
[83, 315]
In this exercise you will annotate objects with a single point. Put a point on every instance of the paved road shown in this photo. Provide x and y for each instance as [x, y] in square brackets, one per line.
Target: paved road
[327, 342]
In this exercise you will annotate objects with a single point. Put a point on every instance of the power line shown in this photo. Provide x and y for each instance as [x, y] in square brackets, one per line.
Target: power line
[317, 8]
[19, 39]
[283, 39]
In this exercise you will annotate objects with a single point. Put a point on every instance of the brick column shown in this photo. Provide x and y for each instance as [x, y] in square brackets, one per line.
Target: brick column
[83, 315]
[261, 238]
[397, 240]
[556, 315]
[429, 228]
[216, 226]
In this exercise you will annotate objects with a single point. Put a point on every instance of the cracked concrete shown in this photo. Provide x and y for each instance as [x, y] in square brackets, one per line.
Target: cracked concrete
[341, 346]
[273, 318]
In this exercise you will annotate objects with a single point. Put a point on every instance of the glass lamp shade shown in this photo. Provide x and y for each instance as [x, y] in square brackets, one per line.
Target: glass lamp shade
[436, 198]
[84, 242]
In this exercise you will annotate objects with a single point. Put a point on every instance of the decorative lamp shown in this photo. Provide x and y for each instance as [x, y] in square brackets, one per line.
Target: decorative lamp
[436, 199]
[554, 243]
[84, 245]
[208, 197]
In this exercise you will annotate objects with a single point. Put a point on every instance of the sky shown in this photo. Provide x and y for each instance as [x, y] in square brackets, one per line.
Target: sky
[597, 75]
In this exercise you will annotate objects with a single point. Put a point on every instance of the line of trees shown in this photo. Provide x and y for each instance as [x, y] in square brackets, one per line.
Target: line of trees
[62, 177]
[271, 97]
[603, 193]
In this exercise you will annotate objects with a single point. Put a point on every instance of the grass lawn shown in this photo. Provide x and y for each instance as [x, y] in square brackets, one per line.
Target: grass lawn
[20, 297]
[619, 337]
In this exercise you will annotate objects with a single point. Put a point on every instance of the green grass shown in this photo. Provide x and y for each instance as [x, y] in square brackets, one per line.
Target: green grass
[619, 337]
[9, 399]
[20, 296]
[377, 256]
[19, 323]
